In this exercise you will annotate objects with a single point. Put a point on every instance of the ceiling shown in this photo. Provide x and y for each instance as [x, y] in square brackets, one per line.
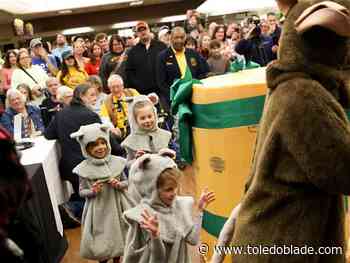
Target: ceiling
[35, 9]
[222, 7]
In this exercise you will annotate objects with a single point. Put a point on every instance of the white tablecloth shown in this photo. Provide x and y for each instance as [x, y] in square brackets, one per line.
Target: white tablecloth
[46, 153]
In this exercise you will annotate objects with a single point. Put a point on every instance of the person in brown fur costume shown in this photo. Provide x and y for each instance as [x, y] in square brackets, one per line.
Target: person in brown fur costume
[301, 163]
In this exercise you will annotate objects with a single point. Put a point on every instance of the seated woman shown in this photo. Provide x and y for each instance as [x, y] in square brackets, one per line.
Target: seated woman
[27, 93]
[32, 75]
[71, 74]
[96, 82]
[32, 124]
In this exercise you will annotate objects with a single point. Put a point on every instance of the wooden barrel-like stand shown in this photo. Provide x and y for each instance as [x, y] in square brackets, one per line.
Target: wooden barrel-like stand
[226, 111]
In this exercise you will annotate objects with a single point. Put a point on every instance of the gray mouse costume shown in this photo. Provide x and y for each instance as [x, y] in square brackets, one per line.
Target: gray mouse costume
[103, 231]
[175, 223]
[139, 139]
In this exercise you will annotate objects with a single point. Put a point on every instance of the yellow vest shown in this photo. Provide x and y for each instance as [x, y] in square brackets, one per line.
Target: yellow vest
[117, 110]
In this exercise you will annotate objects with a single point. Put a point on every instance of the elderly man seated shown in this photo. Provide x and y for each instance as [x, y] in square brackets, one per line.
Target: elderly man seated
[64, 95]
[32, 123]
[51, 105]
[115, 108]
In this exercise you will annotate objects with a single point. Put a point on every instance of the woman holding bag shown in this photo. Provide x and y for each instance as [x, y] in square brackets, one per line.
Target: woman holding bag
[33, 75]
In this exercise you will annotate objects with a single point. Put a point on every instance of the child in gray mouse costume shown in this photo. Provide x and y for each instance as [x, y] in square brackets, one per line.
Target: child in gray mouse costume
[161, 226]
[146, 136]
[138, 190]
[104, 186]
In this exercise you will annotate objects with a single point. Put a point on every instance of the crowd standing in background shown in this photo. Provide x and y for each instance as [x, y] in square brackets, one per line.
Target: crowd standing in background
[226, 48]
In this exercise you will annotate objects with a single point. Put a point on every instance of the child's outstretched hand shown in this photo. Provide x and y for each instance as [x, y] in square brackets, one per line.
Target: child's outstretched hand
[114, 183]
[150, 223]
[139, 153]
[205, 199]
[97, 187]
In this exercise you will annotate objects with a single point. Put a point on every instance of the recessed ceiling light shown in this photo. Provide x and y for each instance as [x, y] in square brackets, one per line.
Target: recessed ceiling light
[173, 18]
[124, 25]
[77, 30]
[135, 3]
[62, 12]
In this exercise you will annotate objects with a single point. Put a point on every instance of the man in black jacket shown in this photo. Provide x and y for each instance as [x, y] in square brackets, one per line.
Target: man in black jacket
[50, 106]
[141, 62]
[172, 64]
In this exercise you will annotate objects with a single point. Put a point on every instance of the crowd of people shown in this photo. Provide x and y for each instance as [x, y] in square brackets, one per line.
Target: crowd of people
[39, 81]
[146, 62]
[103, 99]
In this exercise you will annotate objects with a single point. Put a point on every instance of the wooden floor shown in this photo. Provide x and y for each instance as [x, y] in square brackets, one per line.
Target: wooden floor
[72, 255]
[187, 187]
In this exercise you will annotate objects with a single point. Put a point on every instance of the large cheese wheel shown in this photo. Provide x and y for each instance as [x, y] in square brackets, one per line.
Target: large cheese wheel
[226, 111]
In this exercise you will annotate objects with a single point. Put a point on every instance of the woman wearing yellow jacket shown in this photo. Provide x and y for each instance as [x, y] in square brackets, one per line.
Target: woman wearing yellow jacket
[71, 74]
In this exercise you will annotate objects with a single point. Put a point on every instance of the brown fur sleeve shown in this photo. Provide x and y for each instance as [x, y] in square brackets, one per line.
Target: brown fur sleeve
[315, 130]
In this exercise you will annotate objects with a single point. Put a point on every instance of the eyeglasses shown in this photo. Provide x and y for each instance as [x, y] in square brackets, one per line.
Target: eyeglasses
[116, 86]
[52, 85]
[141, 29]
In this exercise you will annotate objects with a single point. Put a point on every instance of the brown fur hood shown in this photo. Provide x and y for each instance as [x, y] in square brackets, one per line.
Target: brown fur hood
[299, 58]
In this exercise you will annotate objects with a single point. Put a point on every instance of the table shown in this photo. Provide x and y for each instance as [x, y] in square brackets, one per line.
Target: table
[41, 164]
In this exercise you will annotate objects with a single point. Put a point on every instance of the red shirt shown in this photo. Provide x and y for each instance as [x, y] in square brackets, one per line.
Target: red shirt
[92, 69]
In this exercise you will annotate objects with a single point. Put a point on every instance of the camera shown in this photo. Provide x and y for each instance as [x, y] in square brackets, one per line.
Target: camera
[254, 20]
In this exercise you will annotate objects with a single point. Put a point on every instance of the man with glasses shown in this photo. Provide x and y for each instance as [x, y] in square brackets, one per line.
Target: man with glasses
[115, 108]
[50, 105]
[41, 58]
[141, 62]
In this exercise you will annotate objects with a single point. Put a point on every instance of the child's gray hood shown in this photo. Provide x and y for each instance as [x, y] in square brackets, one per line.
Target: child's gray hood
[144, 174]
[90, 133]
[136, 140]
